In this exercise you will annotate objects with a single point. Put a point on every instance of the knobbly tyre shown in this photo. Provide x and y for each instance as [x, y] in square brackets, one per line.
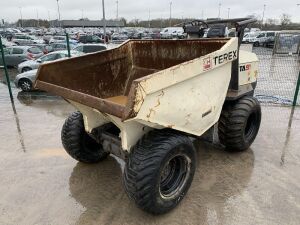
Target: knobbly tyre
[147, 99]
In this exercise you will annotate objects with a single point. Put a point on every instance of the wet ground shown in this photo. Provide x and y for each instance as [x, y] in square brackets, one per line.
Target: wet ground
[41, 185]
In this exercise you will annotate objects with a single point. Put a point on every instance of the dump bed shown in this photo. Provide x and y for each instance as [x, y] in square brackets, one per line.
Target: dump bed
[116, 81]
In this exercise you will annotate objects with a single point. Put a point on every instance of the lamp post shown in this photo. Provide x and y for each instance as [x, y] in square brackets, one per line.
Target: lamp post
[37, 18]
[219, 10]
[104, 21]
[228, 13]
[170, 21]
[58, 11]
[21, 16]
[49, 18]
[117, 10]
[263, 16]
[149, 24]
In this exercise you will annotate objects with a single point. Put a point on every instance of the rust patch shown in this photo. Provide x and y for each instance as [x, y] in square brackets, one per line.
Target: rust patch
[158, 103]
[150, 112]
[92, 78]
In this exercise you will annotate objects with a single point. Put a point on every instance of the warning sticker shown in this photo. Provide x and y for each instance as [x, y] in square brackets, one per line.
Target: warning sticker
[207, 63]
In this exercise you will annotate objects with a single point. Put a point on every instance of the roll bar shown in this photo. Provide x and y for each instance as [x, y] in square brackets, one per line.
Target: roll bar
[198, 27]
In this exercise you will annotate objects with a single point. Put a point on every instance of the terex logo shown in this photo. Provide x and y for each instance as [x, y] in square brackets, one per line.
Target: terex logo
[245, 67]
[227, 56]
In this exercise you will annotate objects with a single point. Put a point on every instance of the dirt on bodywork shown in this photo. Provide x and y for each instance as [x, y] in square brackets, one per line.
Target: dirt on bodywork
[95, 79]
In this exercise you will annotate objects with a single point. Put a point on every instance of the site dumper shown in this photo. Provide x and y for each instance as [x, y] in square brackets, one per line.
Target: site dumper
[146, 100]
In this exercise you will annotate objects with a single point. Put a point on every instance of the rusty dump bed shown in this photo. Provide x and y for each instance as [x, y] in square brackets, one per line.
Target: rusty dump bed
[105, 80]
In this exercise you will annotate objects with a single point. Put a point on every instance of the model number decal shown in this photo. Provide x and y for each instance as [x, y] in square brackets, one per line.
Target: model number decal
[227, 56]
[245, 67]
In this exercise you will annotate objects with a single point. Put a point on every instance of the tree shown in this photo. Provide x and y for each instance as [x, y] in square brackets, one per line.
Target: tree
[124, 21]
[285, 19]
[271, 21]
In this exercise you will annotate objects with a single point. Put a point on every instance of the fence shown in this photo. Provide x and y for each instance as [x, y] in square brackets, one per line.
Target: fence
[279, 70]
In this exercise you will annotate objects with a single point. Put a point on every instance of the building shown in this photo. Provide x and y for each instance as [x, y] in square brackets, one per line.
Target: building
[87, 23]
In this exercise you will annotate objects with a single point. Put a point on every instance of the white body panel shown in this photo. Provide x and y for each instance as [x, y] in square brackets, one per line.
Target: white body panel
[248, 67]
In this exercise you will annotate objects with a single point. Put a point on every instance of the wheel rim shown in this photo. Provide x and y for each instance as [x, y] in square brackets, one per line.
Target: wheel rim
[250, 125]
[26, 86]
[174, 176]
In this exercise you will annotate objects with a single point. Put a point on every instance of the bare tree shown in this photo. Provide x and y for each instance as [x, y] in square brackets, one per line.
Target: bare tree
[285, 19]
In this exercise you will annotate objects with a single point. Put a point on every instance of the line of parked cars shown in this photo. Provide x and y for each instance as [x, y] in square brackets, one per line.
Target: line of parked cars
[27, 53]
[267, 39]
[260, 38]
[28, 68]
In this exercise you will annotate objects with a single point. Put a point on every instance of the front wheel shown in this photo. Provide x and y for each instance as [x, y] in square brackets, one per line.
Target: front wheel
[25, 85]
[160, 170]
[256, 44]
[78, 143]
[239, 123]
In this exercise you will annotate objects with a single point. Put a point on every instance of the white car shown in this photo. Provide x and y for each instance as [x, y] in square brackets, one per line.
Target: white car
[55, 39]
[34, 64]
[249, 37]
[169, 32]
[6, 43]
[25, 80]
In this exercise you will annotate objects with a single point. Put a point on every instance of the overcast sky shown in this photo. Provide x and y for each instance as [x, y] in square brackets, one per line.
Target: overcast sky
[139, 9]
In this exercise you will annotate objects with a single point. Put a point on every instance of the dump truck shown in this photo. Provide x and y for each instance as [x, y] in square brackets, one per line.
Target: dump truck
[147, 100]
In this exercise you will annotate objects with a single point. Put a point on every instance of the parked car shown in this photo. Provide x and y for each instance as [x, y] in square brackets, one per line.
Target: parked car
[289, 41]
[248, 37]
[6, 34]
[17, 54]
[6, 43]
[89, 48]
[34, 64]
[269, 43]
[55, 39]
[90, 39]
[61, 46]
[170, 32]
[25, 80]
[44, 47]
[262, 38]
[24, 39]
[61, 39]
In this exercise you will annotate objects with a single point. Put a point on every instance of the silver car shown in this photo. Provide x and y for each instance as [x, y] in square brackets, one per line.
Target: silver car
[6, 43]
[89, 48]
[24, 39]
[55, 39]
[17, 54]
[34, 64]
[25, 80]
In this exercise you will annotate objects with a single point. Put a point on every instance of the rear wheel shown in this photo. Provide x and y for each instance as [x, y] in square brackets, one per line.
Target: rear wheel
[256, 44]
[160, 170]
[78, 143]
[239, 123]
[25, 84]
